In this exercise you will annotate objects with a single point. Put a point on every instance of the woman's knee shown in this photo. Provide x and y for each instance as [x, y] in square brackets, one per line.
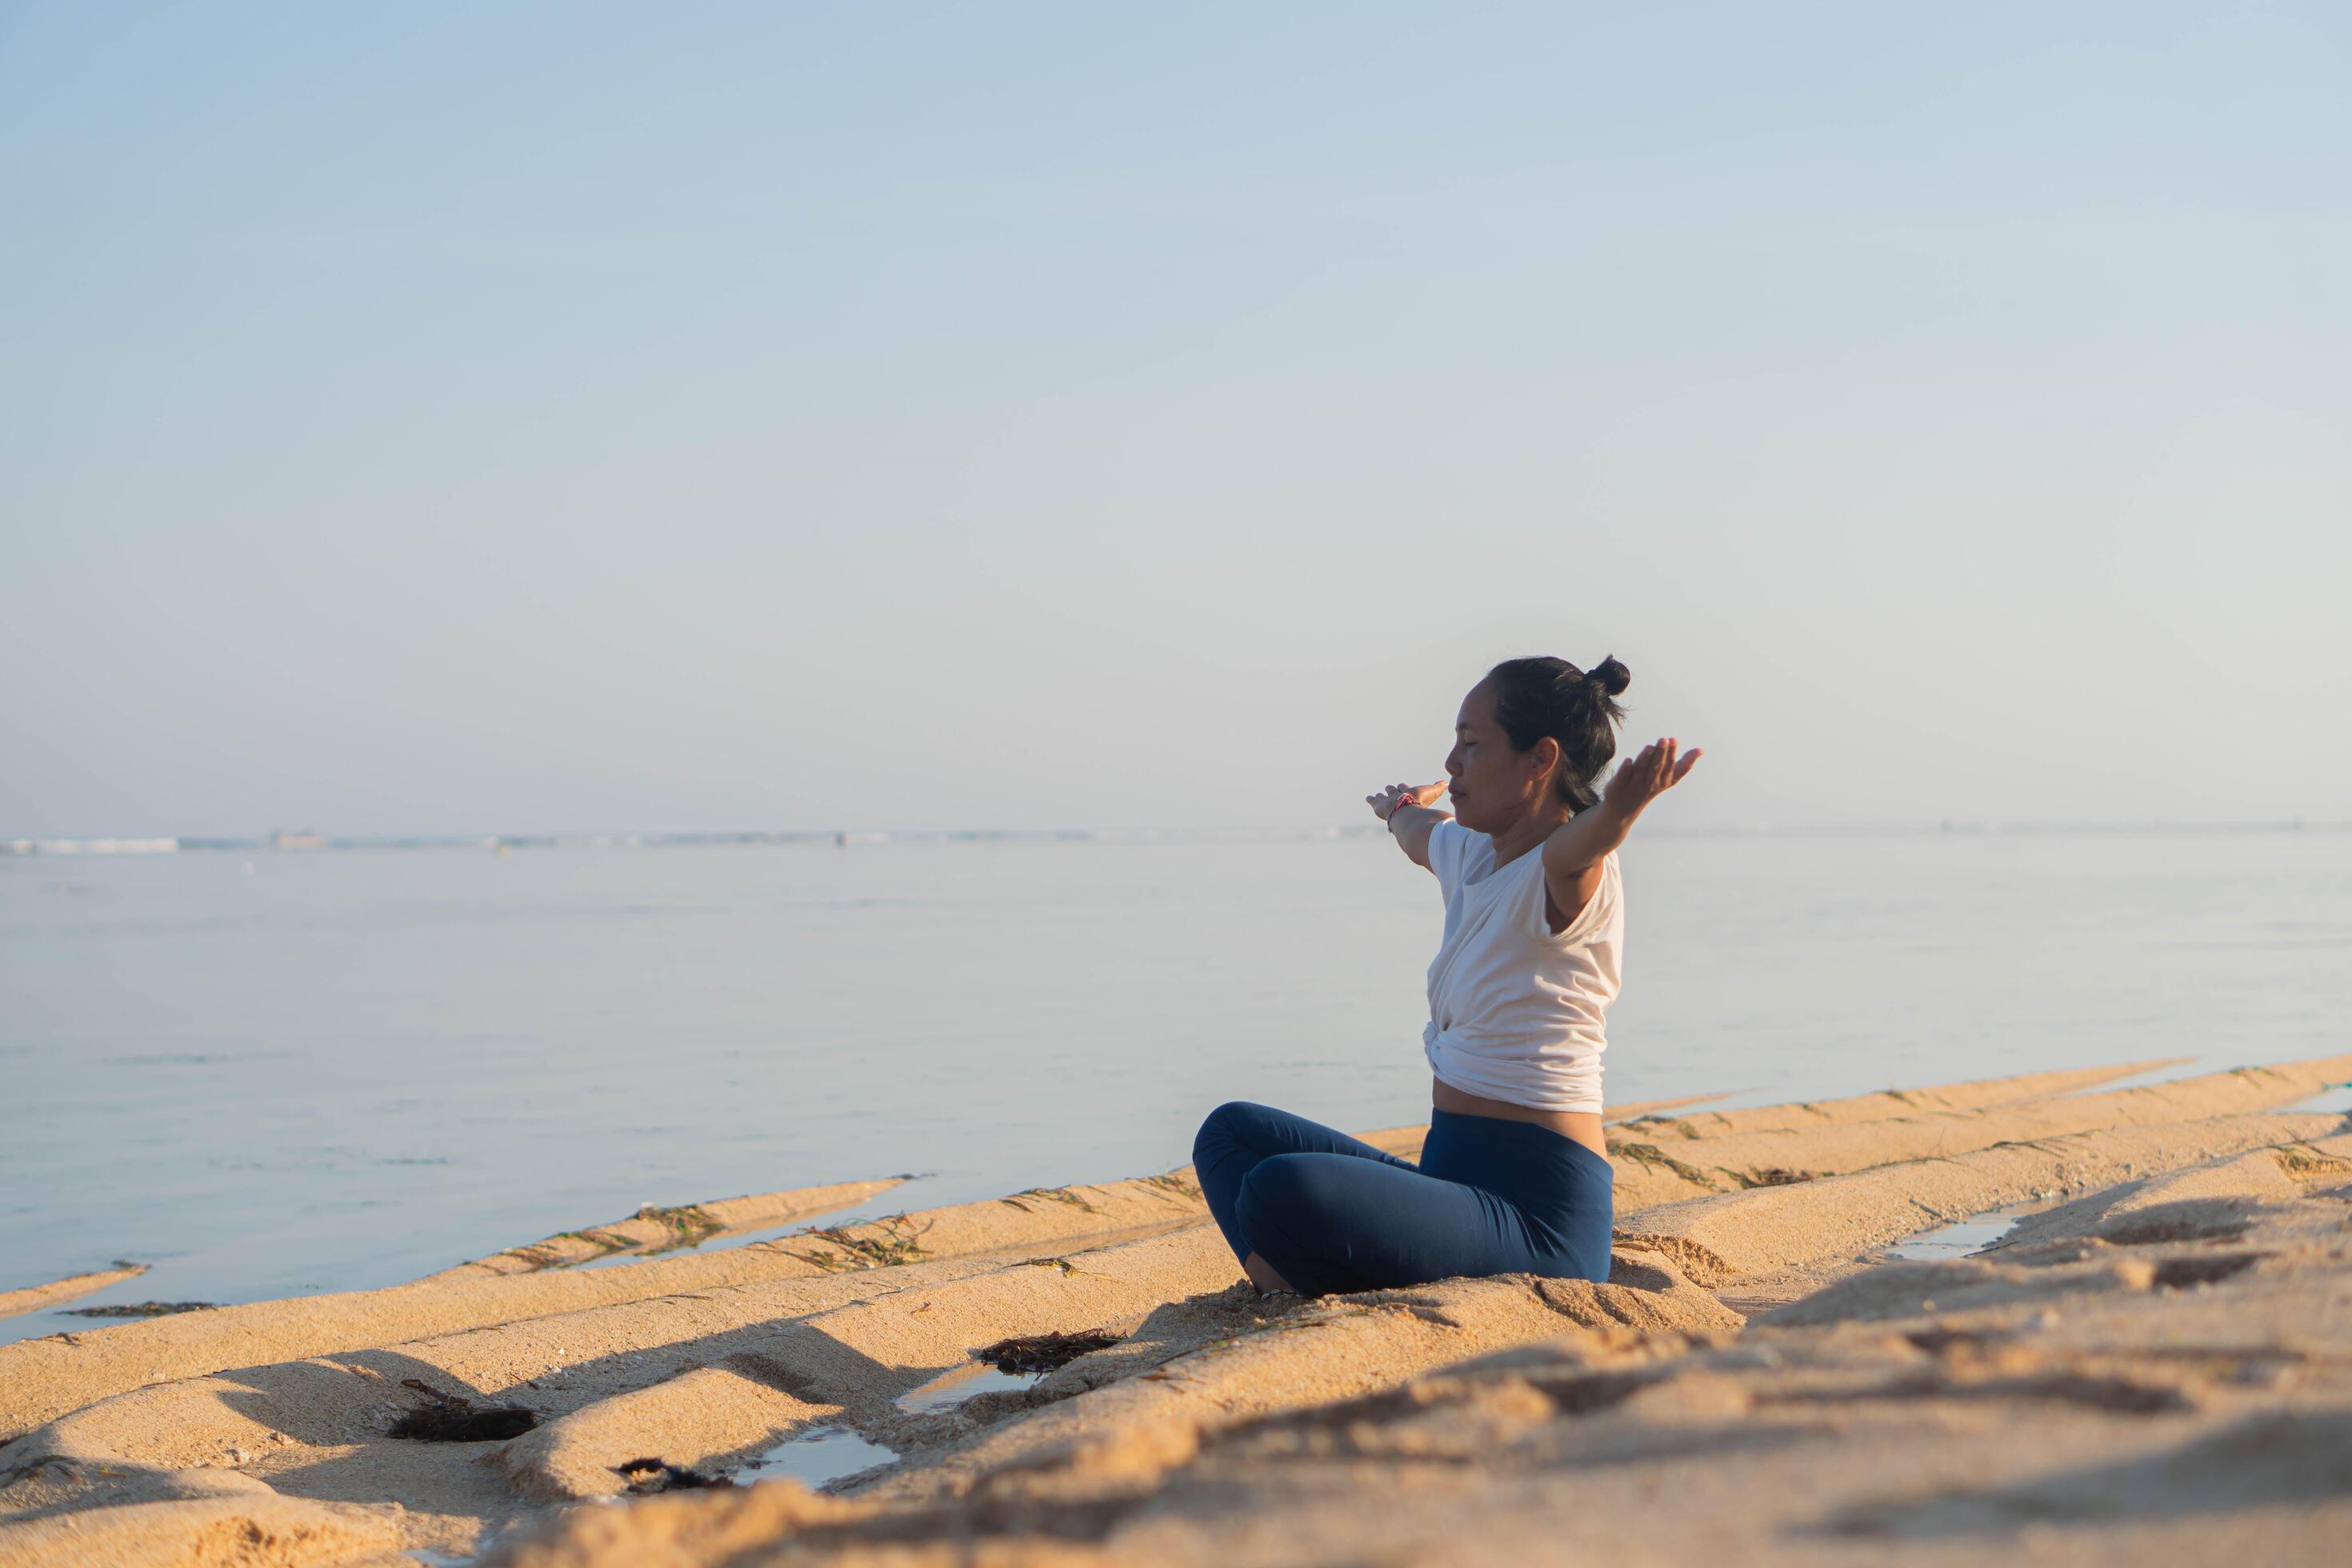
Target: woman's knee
[1287, 1189]
[1222, 1127]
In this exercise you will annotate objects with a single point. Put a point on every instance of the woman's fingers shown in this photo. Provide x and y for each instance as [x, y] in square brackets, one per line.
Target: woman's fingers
[1384, 802]
[1652, 771]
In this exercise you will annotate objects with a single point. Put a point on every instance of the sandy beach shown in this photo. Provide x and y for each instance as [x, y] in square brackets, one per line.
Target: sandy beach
[2152, 1360]
[692, 690]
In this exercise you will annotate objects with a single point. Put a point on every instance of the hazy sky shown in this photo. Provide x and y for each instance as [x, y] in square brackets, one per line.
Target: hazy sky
[453, 418]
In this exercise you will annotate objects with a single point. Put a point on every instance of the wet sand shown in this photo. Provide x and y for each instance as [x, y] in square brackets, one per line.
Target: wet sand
[2155, 1364]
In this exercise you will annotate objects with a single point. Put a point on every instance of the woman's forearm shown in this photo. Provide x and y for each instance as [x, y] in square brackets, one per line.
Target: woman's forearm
[1410, 826]
[1587, 838]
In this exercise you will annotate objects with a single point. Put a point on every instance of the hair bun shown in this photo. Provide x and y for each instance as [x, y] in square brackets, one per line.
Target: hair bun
[1610, 676]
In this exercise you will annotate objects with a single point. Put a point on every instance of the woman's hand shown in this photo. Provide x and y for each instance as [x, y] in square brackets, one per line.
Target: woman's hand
[1643, 779]
[1386, 802]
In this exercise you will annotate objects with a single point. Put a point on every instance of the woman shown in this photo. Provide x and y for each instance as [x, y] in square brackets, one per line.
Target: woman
[1514, 1176]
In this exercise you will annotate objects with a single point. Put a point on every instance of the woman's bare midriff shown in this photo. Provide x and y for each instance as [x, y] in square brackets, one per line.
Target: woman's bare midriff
[1583, 1126]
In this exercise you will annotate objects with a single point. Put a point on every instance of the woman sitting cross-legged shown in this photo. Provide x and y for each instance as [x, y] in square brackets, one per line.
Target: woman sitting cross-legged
[1514, 1176]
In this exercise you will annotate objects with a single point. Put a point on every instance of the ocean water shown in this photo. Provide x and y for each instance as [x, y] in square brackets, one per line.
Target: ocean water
[274, 1072]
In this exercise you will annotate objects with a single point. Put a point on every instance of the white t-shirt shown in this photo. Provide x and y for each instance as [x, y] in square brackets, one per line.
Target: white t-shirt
[1515, 1012]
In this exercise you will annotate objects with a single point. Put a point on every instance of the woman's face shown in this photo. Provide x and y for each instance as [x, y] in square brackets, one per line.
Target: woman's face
[1491, 783]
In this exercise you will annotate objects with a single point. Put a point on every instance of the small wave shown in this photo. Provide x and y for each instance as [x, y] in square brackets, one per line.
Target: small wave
[197, 1058]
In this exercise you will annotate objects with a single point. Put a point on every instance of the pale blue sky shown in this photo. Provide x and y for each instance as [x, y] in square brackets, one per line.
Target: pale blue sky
[571, 418]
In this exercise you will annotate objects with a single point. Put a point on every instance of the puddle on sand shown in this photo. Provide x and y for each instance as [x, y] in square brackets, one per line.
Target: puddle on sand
[818, 1456]
[848, 1214]
[951, 1388]
[822, 1454]
[1959, 1239]
[2336, 1100]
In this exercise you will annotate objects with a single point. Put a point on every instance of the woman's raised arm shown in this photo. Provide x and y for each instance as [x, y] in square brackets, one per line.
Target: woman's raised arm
[1572, 855]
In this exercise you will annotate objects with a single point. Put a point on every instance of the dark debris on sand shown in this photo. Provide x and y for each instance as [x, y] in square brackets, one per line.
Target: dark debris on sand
[648, 1475]
[1044, 1353]
[141, 1309]
[453, 1418]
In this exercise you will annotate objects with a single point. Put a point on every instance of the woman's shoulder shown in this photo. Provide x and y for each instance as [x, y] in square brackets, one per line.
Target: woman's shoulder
[1456, 853]
[1466, 840]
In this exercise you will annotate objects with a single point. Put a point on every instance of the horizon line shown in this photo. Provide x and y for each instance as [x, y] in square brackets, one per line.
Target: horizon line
[310, 841]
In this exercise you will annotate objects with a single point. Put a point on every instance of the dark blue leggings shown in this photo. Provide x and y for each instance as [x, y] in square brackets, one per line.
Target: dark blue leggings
[1331, 1212]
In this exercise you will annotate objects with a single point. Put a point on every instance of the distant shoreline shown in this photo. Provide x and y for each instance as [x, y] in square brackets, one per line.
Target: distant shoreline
[311, 843]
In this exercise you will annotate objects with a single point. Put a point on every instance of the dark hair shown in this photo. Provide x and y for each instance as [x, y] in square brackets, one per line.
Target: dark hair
[1540, 697]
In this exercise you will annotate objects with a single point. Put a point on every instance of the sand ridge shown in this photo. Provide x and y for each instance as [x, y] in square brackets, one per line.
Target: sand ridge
[857, 1359]
[294, 1423]
[1719, 1239]
[1885, 1105]
[1650, 1173]
[656, 1229]
[1134, 1451]
[45, 1377]
[34, 1297]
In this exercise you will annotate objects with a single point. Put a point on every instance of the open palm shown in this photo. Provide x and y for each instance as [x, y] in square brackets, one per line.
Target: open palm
[1641, 779]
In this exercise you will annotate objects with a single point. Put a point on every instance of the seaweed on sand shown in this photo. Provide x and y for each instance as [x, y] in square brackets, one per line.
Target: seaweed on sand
[141, 1309]
[1050, 1194]
[547, 1255]
[1651, 1155]
[1044, 1353]
[454, 1418]
[898, 1243]
[1773, 1176]
[689, 1224]
[649, 1476]
[2303, 1163]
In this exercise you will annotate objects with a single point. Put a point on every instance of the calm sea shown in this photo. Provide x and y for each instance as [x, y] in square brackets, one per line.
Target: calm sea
[280, 1072]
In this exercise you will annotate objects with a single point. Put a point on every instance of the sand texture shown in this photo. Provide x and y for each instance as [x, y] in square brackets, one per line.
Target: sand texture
[2155, 1365]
